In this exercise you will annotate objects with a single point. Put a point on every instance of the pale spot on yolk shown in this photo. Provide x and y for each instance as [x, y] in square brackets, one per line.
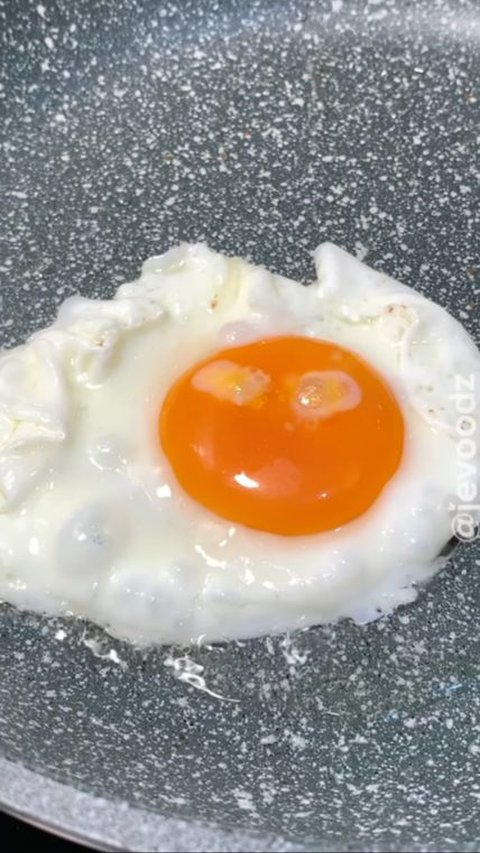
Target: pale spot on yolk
[288, 435]
[233, 382]
[320, 394]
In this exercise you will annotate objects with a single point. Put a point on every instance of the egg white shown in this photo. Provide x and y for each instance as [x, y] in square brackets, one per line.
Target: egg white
[92, 521]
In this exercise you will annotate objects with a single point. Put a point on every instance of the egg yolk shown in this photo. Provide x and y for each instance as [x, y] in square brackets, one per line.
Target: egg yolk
[288, 435]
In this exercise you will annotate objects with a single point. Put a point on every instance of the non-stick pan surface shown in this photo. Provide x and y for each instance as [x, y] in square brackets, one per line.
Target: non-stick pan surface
[263, 128]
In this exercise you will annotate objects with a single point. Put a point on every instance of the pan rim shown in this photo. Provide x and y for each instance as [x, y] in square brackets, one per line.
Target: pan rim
[113, 825]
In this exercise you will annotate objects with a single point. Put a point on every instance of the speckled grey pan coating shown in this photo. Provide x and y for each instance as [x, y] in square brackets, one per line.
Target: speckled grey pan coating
[262, 127]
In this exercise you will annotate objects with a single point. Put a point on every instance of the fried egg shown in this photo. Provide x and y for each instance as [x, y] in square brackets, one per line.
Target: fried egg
[220, 452]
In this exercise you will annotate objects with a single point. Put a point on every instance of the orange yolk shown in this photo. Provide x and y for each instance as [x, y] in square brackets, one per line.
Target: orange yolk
[288, 435]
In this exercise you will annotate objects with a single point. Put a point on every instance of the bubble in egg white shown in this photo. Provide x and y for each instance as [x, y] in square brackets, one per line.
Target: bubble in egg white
[108, 454]
[89, 540]
[143, 596]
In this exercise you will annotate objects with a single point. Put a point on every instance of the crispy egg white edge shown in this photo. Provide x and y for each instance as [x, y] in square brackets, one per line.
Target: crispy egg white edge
[259, 582]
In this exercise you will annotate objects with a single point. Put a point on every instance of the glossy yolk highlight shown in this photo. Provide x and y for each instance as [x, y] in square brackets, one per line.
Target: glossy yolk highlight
[288, 435]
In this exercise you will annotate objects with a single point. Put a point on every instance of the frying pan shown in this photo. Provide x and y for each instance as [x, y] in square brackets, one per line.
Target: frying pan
[263, 128]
